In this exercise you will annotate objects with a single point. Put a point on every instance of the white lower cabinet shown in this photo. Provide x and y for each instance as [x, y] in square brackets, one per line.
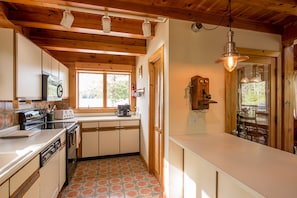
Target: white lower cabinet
[4, 189]
[199, 177]
[129, 140]
[110, 138]
[49, 178]
[62, 163]
[90, 136]
[25, 183]
[109, 142]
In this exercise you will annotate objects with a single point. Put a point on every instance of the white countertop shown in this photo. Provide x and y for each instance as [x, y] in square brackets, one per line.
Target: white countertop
[268, 171]
[100, 118]
[25, 149]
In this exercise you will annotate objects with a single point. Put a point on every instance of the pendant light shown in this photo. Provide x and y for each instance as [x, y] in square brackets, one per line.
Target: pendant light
[231, 57]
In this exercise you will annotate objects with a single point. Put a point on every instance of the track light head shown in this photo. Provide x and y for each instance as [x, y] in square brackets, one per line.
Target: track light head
[106, 23]
[146, 28]
[67, 19]
[196, 26]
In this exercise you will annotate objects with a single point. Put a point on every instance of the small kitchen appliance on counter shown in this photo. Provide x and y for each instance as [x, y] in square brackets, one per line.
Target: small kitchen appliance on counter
[63, 114]
[123, 111]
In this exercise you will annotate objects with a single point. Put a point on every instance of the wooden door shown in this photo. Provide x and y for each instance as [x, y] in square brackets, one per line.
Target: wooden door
[156, 152]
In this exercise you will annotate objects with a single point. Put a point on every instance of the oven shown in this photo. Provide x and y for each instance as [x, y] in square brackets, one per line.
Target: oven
[37, 119]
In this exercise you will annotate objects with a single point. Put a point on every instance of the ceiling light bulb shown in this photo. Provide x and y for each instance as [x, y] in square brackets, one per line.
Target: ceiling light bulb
[146, 28]
[67, 19]
[106, 23]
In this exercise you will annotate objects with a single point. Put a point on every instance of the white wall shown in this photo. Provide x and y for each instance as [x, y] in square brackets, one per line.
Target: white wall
[142, 103]
[188, 54]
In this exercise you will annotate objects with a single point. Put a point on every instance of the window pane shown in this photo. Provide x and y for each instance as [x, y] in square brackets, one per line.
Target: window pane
[90, 90]
[117, 89]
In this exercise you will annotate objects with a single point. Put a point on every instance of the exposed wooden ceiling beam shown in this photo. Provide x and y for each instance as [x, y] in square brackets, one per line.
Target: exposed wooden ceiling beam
[176, 13]
[65, 57]
[286, 6]
[88, 46]
[190, 15]
[84, 23]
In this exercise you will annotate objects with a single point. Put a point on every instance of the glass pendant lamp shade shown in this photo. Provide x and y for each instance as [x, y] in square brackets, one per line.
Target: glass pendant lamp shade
[231, 57]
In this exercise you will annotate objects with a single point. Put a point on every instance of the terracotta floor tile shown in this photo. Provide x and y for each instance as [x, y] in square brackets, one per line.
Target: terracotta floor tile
[118, 177]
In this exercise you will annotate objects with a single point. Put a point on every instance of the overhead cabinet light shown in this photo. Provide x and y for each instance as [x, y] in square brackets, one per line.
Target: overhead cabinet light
[67, 19]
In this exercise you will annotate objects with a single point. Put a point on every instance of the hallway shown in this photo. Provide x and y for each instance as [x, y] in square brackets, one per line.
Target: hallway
[118, 177]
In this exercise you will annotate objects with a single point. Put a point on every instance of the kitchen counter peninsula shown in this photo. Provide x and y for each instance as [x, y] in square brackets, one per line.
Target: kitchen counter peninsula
[239, 167]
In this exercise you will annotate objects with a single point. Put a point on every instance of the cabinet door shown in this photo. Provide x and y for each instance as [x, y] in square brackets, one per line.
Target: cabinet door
[90, 144]
[34, 190]
[62, 166]
[109, 142]
[199, 177]
[6, 64]
[90, 139]
[28, 69]
[129, 140]
[64, 78]
[46, 63]
[4, 190]
[55, 67]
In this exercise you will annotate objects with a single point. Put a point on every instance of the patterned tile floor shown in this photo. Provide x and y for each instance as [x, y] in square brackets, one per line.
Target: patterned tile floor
[119, 177]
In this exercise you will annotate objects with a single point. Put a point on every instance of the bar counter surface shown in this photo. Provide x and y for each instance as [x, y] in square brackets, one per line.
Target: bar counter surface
[268, 171]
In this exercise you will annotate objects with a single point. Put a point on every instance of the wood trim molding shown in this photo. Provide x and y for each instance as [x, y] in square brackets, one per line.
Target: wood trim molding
[255, 52]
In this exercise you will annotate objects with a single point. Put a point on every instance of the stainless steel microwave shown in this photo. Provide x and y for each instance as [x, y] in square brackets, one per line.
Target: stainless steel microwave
[52, 89]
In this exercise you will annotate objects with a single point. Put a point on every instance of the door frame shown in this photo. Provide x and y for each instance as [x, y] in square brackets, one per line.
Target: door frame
[231, 99]
[158, 55]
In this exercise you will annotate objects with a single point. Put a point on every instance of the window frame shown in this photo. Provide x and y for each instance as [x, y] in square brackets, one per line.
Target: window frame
[104, 88]
[96, 67]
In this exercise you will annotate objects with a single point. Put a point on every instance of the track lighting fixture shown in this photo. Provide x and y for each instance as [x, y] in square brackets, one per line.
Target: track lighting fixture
[146, 28]
[106, 23]
[67, 19]
[231, 56]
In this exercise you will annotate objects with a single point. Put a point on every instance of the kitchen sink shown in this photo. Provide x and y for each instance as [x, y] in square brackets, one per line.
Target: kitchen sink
[8, 159]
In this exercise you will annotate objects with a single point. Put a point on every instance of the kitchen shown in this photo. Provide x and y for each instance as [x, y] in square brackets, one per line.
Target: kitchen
[198, 59]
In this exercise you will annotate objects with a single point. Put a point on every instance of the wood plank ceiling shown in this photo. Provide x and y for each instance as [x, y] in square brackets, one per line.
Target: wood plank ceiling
[86, 42]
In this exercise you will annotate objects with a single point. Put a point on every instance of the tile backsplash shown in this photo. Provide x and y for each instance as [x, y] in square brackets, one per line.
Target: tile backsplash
[9, 115]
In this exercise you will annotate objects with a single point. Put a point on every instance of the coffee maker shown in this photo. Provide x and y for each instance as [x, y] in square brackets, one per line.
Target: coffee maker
[123, 111]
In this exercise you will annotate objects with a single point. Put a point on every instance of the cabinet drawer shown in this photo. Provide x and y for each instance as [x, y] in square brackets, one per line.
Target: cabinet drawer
[90, 125]
[109, 124]
[23, 174]
[129, 123]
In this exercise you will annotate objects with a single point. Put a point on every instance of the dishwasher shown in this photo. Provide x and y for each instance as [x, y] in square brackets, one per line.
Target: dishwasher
[49, 170]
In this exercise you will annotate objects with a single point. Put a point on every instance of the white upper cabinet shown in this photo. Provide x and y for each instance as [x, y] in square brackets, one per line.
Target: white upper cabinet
[55, 67]
[28, 69]
[64, 78]
[46, 63]
[6, 64]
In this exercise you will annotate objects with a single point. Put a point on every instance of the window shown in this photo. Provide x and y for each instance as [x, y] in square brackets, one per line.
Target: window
[103, 90]
[253, 94]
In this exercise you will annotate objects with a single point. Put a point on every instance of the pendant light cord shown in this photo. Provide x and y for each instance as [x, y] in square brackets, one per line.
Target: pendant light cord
[230, 16]
[227, 12]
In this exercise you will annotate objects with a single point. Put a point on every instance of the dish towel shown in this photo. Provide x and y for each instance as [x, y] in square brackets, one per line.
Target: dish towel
[77, 137]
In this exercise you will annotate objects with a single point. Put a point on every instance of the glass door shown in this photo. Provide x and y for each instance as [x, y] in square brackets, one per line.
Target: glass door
[254, 101]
